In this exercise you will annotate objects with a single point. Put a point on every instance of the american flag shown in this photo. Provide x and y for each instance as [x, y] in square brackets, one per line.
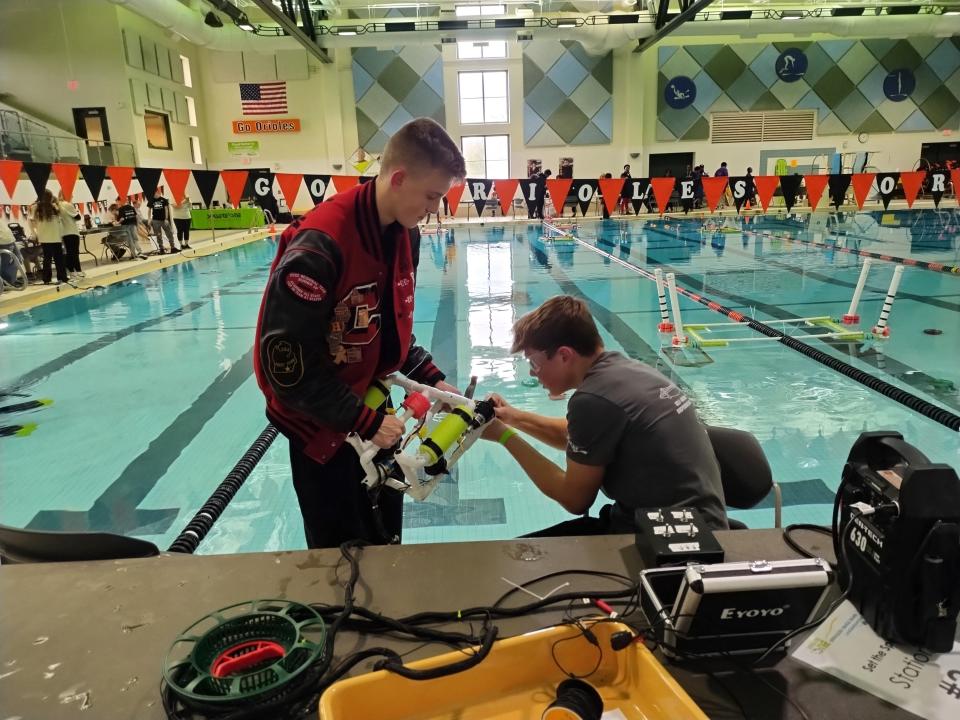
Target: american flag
[263, 98]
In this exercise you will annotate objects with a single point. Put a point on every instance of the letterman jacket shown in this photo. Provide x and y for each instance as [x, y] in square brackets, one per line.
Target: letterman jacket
[337, 313]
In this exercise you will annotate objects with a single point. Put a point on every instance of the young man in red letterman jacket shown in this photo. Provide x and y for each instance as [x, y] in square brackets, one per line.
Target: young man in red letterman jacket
[337, 314]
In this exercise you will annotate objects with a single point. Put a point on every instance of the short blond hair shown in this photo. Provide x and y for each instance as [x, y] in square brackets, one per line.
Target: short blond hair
[563, 320]
[423, 143]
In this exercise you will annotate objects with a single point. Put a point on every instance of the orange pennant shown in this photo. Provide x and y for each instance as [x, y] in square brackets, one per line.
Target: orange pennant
[815, 185]
[234, 181]
[912, 182]
[177, 180]
[506, 189]
[290, 186]
[766, 185]
[558, 189]
[10, 174]
[345, 182]
[610, 190]
[713, 190]
[662, 190]
[121, 177]
[955, 180]
[862, 182]
[453, 197]
[66, 174]
[16, 211]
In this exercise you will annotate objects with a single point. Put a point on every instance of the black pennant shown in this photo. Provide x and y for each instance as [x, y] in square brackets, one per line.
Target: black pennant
[206, 182]
[530, 192]
[479, 192]
[317, 186]
[638, 191]
[584, 191]
[790, 185]
[742, 189]
[838, 186]
[260, 183]
[938, 183]
[149, 178]
[93, 176]
[38, 174]
[886, 185]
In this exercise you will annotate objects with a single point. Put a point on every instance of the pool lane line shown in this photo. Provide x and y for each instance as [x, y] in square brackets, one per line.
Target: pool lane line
[928, 409]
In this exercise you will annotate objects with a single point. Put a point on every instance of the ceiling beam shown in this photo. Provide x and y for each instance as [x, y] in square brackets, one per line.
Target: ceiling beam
[291, 28]
[662, 32]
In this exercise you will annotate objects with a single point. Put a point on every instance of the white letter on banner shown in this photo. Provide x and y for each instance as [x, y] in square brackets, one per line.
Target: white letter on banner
[938, 182]
[887, 185]
[261, 186]
[317, 187]
[740, 188]
[478, 192]
[589, 194]
[686, 189]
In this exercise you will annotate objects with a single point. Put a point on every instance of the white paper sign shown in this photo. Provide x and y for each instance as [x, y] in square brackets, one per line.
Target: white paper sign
[847, 647]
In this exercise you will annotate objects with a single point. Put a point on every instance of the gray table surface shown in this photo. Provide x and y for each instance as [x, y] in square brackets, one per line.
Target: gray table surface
[94, 635]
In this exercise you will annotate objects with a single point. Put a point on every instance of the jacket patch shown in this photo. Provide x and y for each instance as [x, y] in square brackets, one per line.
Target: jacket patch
[305, 287]
[285, 362]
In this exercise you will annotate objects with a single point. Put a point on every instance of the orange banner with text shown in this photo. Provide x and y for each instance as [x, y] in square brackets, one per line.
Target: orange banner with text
[273, 125]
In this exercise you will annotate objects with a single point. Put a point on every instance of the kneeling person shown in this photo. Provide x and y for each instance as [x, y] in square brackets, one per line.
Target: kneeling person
[629, 430]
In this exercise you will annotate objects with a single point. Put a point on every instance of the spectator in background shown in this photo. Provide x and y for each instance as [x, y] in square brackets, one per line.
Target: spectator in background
[70, 236]
[625, 190]
[541, 192]
[160, 220]
[727, 194]
[47, 216]
[182, 219]
[128, 218]
[751, 187]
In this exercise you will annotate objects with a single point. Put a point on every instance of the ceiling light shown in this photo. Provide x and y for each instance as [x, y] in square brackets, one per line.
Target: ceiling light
[346, 31]
[736, 14]
[213, 20]
[847, 12]
[791, 14]
[566, 23]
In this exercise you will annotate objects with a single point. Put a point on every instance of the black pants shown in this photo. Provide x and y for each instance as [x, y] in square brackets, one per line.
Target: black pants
[335, 504]
[53, 252]
[72, 255]
[183, 231]
[585, 525]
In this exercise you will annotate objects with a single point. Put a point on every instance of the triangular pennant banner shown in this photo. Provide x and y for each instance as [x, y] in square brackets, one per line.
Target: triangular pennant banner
[93, 176]
[290, 186]
[206, 183]
[317, 186]
[955, 180]
[610, 190]
[261, 183]
[713, 190]
[662, 190]
[148, 178]
[886, 185]
[766, 186]
[528, 188]
[862, 182]
[938, 185]
[638, 190]
[912, 182]
[38, 173]
[558, 189]
[839, 184]
[506, 189]
[177, 180]
[16, 211]
[740, 187]
[345, 182]
[815, 185]
[583, 191]
[234, 181]
[121, 177]
[453, 197]
[10, 174]
[790, 185]
[479, 192]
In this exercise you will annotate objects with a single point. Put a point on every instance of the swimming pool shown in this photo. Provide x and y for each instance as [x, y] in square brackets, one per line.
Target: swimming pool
[154, 398]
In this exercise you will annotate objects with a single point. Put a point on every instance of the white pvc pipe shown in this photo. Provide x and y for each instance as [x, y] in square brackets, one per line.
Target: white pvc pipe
[858, 291]
[678, 335]
[888, 302]
[661, 296]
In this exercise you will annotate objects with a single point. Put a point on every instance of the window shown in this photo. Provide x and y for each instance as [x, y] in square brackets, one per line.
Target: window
[195, 150]
[158, 130]
[187, 79]
[483, 97]
[487, 156]
[478, 10]
[476, 50]
[191, 111]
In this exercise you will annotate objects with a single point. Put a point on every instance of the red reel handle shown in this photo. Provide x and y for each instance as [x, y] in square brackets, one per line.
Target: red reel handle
[245, 656]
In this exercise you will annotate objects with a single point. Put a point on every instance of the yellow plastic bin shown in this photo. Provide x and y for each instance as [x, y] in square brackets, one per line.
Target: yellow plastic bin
[517, 681]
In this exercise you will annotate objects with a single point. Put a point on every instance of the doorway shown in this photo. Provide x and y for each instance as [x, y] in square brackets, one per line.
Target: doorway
[675, 163]
[91, 125]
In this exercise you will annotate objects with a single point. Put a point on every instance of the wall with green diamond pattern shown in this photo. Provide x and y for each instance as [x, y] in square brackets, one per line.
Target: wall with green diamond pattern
[567, 95]
[843, 82]
[393, 87]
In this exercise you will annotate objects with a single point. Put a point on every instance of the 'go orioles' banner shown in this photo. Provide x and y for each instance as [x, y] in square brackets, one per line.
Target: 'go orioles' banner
[657, 195]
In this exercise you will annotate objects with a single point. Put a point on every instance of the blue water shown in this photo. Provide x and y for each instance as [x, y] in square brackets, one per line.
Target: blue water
[154, 399]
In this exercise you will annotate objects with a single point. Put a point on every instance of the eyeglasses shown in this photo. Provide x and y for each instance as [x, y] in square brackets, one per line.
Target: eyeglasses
[535, 365]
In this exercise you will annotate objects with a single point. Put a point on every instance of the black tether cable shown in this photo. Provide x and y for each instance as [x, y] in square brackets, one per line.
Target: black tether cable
[197, 529]
[934, 412]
